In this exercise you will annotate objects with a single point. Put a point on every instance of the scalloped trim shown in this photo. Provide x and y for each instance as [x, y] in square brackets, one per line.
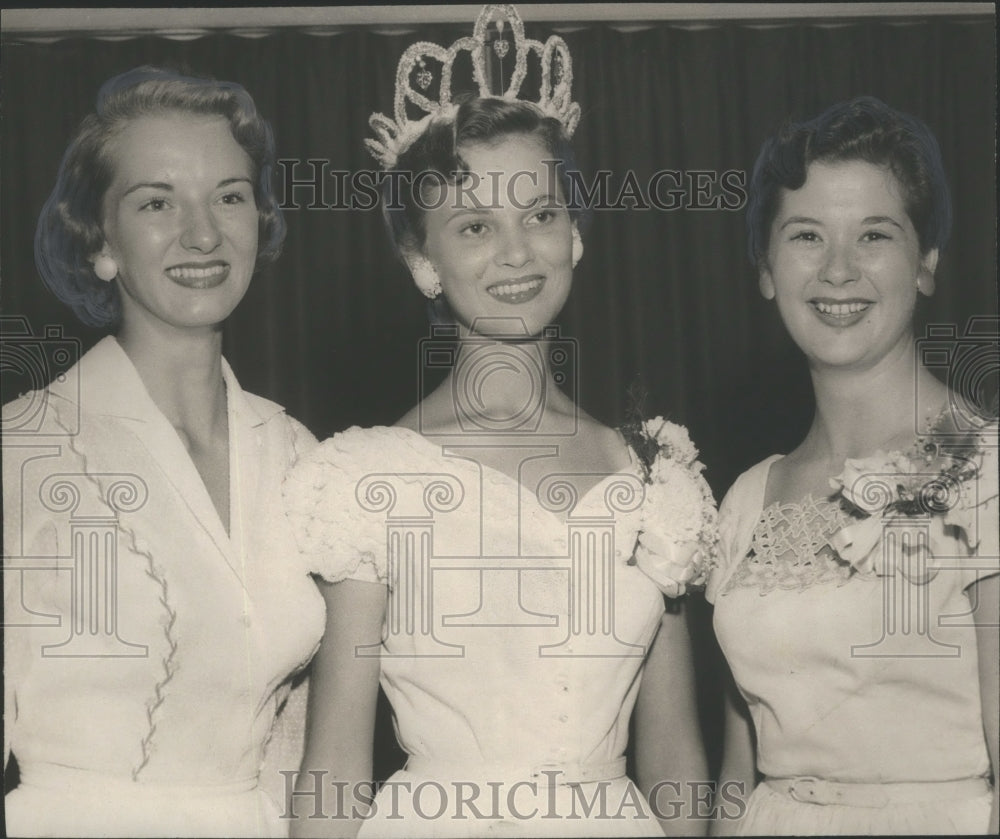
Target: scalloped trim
[168, 662]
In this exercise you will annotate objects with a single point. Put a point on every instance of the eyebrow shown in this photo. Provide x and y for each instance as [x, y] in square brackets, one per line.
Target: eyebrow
[461, 212]
[546, 200]
[882, 220]
[800, 220]
[866, 220]
[165, 187]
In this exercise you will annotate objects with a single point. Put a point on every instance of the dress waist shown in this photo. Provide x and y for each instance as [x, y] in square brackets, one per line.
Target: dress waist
[546, 774]
[810, 790]
[71, 779]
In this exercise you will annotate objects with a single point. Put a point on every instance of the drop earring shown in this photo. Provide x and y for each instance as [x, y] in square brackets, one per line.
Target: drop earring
[577, 246]
[425, 275]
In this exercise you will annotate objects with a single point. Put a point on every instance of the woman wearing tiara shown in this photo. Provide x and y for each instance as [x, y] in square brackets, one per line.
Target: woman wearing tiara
[480, 557]
[857, 597]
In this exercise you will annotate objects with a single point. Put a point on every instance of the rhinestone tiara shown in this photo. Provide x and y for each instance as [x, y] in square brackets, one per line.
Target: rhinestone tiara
[414, 78]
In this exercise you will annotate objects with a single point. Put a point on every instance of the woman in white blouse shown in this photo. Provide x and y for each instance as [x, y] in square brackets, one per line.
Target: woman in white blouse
[150, 638]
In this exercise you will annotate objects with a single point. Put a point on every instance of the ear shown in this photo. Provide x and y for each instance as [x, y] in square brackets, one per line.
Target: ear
[925, 273]
[765, 282]
[411, 255]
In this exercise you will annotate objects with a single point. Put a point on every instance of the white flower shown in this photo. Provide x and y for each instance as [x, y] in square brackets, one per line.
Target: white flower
[870, 483]
[671, 565]
[652, 427]
[674, 501]
[891, 487]
[671, 437]
[860, 544]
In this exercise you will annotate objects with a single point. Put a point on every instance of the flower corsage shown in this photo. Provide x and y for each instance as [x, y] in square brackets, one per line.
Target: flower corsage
[677, 543]
[933, 482]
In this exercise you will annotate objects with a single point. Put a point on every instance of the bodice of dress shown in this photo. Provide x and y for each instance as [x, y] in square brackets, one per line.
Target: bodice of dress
[848, 676]
[144, 639]
[515, 627]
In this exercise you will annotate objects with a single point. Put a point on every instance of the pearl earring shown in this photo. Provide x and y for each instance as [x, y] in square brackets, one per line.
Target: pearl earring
[425, 276]
[105, 268]
[577, 246]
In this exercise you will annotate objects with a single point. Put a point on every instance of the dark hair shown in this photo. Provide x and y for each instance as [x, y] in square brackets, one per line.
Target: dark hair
[69, 228]
[862, 129]
[478, 121]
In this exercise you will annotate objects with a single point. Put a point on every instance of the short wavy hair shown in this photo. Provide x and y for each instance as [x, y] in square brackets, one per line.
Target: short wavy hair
[865, 129]
[69, 230]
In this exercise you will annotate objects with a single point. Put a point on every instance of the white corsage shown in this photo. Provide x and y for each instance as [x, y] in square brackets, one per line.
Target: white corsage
[677, 543]
[932, 483]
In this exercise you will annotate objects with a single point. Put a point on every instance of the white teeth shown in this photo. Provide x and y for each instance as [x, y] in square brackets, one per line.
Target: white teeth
[196, 273]
[841, 310]
[508, 289]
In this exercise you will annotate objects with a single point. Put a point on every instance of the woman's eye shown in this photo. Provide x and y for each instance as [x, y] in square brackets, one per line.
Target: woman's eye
[154, 204]
[543, 216]
[805, 236]
[234, 198]
[475, 228]
[874, 236]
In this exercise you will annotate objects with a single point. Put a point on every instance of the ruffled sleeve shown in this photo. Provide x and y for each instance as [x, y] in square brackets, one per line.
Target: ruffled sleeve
[738, 516]
[337, 536]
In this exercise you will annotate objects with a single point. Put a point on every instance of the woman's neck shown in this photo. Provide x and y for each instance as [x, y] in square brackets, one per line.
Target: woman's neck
[861, 411]
[182, 372]
[499, 382]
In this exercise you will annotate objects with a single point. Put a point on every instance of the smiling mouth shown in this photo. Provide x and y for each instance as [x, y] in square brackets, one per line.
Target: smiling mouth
[517, 291]
[199, 276]
[843, 309]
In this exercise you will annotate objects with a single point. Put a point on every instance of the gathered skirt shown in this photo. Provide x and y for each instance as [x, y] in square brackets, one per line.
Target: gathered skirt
[58, 801]
[417, 806]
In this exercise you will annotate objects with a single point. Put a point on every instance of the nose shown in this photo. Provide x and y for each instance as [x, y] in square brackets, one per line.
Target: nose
[201, 230]
[513, 248]
[839, 265]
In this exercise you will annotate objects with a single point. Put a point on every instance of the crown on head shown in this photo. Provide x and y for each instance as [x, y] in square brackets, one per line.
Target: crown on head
[395, 137]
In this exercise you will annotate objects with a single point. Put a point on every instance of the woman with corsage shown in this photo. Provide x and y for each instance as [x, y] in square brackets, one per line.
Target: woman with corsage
[153, 610]
[488, 557]
[857, 594]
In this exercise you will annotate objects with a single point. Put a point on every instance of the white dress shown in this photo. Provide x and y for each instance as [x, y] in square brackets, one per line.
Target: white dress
[514, 638]
[852, 677]
[147, 650]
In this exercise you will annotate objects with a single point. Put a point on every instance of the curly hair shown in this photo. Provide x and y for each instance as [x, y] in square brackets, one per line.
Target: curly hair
[69, 228]
[865, 129]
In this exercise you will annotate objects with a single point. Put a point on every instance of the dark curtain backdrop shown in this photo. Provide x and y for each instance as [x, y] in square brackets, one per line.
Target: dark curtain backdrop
[332, 330]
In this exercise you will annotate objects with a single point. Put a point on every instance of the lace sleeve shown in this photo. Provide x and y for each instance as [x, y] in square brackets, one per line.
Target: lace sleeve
[338, 539]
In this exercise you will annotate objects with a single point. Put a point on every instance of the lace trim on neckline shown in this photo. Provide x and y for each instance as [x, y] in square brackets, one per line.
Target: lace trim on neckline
[790, 548]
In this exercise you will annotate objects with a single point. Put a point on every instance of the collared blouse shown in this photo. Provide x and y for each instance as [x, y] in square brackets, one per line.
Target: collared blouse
[148, 643]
